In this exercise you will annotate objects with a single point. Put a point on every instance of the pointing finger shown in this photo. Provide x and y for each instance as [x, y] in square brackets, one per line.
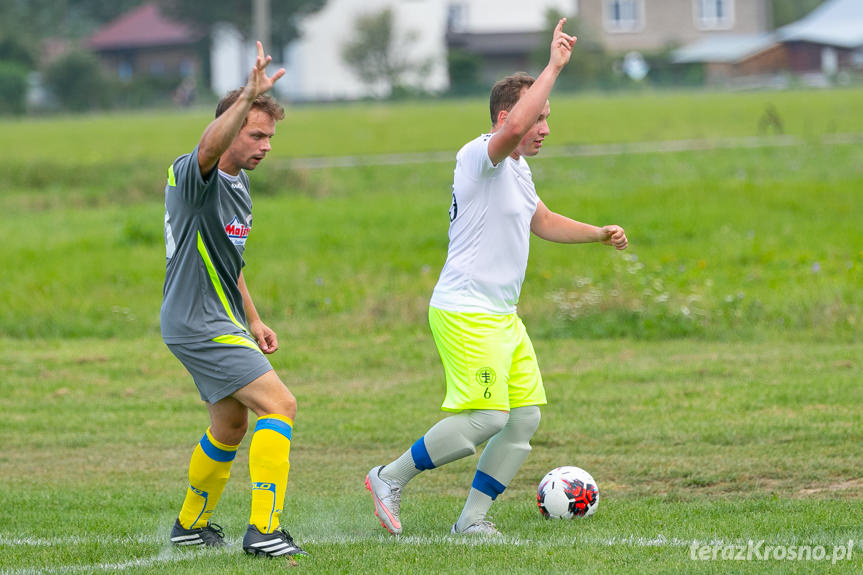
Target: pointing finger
[559, 28]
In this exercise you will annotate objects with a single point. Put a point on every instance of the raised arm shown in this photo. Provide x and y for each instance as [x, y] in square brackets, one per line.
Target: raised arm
[554, 227]
[217, 137]
[513, 125]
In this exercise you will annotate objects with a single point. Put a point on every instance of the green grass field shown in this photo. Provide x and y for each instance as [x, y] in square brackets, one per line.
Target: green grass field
[709, 377]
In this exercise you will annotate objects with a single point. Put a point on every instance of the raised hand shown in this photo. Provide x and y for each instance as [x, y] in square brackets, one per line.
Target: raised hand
[259, 82]
[561, 46]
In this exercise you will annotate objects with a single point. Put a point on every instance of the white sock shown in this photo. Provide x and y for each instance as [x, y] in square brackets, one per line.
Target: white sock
[449, 439]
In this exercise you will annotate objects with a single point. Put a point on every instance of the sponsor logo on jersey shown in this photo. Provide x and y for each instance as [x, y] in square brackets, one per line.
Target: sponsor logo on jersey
[237, 232]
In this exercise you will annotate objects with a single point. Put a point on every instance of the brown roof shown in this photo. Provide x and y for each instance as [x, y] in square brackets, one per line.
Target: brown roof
[144, 26]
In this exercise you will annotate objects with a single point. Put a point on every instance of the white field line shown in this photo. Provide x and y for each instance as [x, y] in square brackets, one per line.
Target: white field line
[658, 147]
[164, 557]
[554, 541]
[169, 555]
[629, 540]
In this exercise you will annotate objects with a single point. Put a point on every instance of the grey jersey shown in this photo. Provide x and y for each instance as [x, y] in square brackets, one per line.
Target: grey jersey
[207, 221]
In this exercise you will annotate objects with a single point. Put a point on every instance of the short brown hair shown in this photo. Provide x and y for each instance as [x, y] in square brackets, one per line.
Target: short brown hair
[506, 92]
[263, 102]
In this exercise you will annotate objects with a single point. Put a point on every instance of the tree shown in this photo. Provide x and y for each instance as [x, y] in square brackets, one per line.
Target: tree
[788, 11]
[17, 50]
[464, 72]
[35, 20]
[13, 88]
[77, 81]
[377, 55]
[590, 65]
[285, 14]
[17, 59]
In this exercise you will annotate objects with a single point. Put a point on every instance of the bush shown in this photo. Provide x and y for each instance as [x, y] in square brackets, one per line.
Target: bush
[464, 72]
[77, 81]
[14, 49]
[13, 88]
[664, 72]
[144, 91]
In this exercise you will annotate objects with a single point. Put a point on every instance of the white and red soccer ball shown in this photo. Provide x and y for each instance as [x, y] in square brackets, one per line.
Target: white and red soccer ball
[567, 492]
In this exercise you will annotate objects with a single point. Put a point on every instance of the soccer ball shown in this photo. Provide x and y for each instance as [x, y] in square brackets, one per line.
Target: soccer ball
[567, 492]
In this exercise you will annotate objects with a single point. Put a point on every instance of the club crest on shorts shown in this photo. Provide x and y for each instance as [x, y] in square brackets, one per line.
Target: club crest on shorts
[485, 376]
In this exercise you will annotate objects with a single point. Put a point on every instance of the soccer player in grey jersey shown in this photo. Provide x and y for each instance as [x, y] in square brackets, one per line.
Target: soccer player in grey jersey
[210, 323]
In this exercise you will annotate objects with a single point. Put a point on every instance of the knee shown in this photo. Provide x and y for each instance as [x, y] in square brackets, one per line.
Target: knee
[287, 405]
[523, 421]
[488, 422]
[279, 401]
[267, 395]
[229, 430]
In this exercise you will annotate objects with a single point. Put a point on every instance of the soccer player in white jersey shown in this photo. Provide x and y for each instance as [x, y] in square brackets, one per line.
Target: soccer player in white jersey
[494, 387]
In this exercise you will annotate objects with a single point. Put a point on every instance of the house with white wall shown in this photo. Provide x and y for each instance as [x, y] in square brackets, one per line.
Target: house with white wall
[316, 70]
[502, 33]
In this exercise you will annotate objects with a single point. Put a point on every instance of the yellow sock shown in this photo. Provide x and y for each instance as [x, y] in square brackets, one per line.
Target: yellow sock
[208, 472]
[268, 468]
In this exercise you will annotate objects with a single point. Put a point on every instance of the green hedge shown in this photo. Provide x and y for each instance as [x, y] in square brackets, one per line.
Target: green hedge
[13, 88]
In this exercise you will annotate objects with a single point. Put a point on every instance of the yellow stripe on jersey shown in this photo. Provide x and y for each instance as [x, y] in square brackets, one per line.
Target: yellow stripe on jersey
[172, 181]
[217, 285]
[237, 340]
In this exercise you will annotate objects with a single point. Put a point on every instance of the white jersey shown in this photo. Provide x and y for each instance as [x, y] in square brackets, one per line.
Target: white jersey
[489, 233]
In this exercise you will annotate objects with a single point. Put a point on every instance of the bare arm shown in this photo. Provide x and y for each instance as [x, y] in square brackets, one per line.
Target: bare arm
[517, 122]
[266, 338]
[217, 137]
[554, 227]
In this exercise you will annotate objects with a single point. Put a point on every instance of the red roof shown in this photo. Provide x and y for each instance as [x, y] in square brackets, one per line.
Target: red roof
[144, 26]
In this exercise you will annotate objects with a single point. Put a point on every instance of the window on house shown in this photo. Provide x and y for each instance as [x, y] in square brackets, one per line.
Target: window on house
[187, 67]
[456, 17]
[714, 14]
[623, 15]
[124, 70]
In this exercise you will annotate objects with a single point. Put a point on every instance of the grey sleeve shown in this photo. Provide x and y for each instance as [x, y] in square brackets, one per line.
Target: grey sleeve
[189, 183]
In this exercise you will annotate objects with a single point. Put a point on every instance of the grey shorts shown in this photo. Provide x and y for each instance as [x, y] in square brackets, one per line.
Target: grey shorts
[220, 369]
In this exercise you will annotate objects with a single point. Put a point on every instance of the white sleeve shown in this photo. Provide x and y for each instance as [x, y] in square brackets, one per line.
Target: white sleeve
[473, 158]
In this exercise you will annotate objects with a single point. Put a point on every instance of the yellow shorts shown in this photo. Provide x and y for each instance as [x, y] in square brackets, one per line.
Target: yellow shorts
[488, 360]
